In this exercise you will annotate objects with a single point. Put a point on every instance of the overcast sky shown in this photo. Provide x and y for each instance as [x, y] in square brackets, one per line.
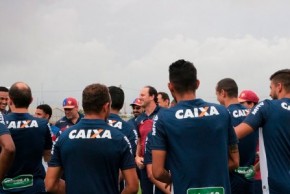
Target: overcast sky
[60, 46]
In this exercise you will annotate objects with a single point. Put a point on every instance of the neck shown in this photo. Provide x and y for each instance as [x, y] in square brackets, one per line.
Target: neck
[185, 96]
[95, 116]
[114, 111]
[230, 101]
[150, 108]
[19, 110]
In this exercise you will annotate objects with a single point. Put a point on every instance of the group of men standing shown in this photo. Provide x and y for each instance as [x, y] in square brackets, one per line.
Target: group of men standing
[194, 147]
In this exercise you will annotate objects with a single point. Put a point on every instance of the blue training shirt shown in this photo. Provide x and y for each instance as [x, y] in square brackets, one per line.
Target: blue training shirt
[273, 116]
[128, 130]
[196, 136]
[248, 144]
[91, 154]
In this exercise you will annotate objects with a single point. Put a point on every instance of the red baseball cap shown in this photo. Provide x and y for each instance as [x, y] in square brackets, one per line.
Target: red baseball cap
[70, 102]
[136, 102]
[248, 96]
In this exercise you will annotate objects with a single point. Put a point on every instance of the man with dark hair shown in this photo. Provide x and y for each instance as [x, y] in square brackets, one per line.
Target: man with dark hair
[32, 140]
[242, 178]
[7, 148]
[148, 100]
[195, 138]
[136, 111]
[118, 97]
[163, 99]
[91, 152]
[273, 118]
[43, 111]
[3, 99]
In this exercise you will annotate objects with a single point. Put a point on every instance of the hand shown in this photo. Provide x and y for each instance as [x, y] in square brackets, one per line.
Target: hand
[139, 162]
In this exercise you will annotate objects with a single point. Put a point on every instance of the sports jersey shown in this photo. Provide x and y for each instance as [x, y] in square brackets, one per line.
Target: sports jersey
[247, 151]
[273, 116]
[196, 136]
[91, 154]
[63, 124]
[3, 128]
[148, 158]
[31, 137]
[129, 131]
[144, 126]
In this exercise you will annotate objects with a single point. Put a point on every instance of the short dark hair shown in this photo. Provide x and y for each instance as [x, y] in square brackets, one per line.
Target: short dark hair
[20, 94]
[117, 97]
[3, 89]
[46, 109]
[282, 76]
[164, 96]
[152, 92]
[182, 74]
[95, 96]
[229, 86]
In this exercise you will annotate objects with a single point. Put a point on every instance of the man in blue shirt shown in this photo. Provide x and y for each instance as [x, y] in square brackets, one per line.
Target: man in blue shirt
[7, 149]
[273, 118]
[242, 179]
[195, 137]
[92, 152]
[32, 140]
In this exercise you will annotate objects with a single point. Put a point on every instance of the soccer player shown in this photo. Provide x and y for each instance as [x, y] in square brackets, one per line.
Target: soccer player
[3, 99]
[7, 149]
[91, 152]
[118, 97]
[242, 179]
[32, 141]
[195, 137]
[249, 99]
[163, 99]
[148, 99]
[273, 116]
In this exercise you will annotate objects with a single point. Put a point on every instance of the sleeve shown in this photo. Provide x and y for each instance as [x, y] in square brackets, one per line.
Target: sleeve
[231, 133]
[258, 115]
[48, 140]
[133, 138]
[3, 129]
[56, 156]
[127, 158]
[159, 140]
[148, 152]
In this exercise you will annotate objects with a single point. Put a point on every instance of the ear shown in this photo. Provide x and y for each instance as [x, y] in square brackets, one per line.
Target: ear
[31, 100]
[279, 87]
[197, 83]
[170, 87]
[107, 107]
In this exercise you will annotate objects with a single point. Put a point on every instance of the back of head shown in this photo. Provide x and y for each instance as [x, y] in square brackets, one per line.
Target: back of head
[152, 92]
[94, 97]
[46, 109]
[20, 94]
[282, 76]
[229, 86]
[164, 96]
[182, 74]
[117, 97]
